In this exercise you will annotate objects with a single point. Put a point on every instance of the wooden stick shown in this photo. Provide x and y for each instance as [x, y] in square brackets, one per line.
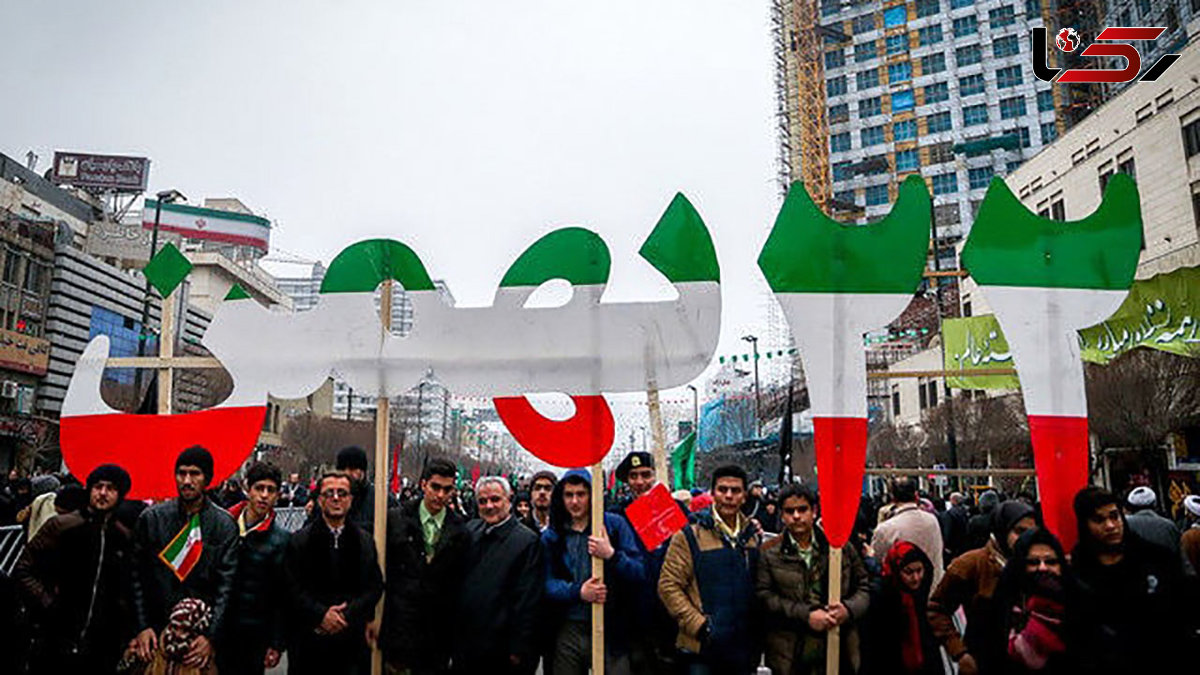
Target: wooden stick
[656, 430]
[161, 362]
[382, 428]
[166, 352]
[598, 567]
[834, 645]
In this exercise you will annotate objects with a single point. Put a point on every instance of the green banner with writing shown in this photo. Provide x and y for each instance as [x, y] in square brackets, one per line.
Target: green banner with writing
[976, 343]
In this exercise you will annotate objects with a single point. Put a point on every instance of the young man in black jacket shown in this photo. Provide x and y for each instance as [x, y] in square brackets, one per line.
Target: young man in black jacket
[501, 590]
[73, 577]
[184, 548]
[254, 629]
[332, 573]
[426, 545]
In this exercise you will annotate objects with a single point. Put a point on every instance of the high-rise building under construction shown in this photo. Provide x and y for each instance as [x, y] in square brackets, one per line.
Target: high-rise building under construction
[872, 91]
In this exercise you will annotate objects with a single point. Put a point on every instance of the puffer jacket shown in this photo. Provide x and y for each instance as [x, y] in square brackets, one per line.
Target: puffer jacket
[678, 587]
[258, 598]
[789, 590]
[80, 607]
[156, 590]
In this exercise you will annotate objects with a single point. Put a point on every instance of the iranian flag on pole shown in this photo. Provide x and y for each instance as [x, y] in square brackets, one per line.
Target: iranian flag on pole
[835, 283]
[194, 222]
[1045, 280]
[182, 554]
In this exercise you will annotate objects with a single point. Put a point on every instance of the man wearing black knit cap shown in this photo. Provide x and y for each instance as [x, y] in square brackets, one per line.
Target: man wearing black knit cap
[183, 548]
[71, 577]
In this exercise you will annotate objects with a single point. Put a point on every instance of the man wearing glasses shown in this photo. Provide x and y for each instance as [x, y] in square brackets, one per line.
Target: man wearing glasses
[426, 544]
[333, 573]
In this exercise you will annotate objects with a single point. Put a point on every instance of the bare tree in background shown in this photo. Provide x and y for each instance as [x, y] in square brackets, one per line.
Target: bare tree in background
[1141, 396]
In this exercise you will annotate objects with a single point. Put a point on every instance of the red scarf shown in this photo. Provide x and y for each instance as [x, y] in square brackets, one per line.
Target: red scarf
[912, 655]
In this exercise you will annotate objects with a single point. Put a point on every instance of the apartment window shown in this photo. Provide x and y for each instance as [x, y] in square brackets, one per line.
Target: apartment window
[895, 16]
[839, 112]
[1012, 166]
[922, 395]
[864, 23]
[945, 183]
[830, 7]
[1008, 77]
[12, 267]
[933, 393]
[1105, 176]
[865, 51]
[896, 44]
[1002, 16]
[928, 8]
[929, 35]
[1126, 167]
[835, 59]
[1006, 46]
[933, 63]
[871, 136]
[895, 402]
[1045, 100]
[971, 85]
[876, 195]
[940, 153]
[870, 106]
[839, 142]
[835, 86]
[904, 130]
[1058, 210]
[935, 93]
[1191, 139]
[1012, 107]
[968, 55]
[979, 177]
[1049, 133]
[966, 25]
[959, 4]
[841, 170]
[35, 276]
[1023, 132]
[899, 72]
[908, 160]
[1033, 10]
[974, 115]
[1196, 193]
[902, 101]
[868, 79]
[939, 122]
[845, 197]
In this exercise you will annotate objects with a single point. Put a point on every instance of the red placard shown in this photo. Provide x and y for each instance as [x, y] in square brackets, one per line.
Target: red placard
[655, 516]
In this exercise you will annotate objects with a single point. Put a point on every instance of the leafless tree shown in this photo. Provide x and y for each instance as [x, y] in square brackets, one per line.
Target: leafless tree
[1143, 395]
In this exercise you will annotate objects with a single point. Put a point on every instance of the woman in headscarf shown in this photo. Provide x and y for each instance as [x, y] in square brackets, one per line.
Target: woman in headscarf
[901, 640]
[1032, 609]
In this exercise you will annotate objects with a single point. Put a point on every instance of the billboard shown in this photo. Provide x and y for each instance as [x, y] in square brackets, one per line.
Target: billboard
[107, 172]
[24, 353]
[128, 241]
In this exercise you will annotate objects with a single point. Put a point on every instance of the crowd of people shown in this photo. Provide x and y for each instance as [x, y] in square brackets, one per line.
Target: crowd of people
[497, 578]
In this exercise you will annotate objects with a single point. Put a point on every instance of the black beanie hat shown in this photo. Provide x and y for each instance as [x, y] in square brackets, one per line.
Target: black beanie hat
[198, 457]
[70, 498]
[352, 457]
[113, 474]
[1005, 517]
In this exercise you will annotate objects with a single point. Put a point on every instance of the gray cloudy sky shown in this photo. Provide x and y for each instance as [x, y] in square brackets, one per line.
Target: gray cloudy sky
[466, 129]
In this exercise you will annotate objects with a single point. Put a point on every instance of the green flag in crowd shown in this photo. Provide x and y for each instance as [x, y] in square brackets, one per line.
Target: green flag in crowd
[683, 463]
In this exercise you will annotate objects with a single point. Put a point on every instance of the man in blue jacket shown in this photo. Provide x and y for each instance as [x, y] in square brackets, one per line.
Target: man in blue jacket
[570, 587]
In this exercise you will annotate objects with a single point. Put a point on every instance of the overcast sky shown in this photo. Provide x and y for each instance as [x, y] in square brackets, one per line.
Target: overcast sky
[465, 129]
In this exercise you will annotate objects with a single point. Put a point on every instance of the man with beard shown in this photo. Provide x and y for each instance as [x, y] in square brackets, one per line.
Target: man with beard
[1129, 614]
[254, 630]
[332, 573]
[72, 576]
[426, 544]
[540, 487]
[183, 548]
[501, 589]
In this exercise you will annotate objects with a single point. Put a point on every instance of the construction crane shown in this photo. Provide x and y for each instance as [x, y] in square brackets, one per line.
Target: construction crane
[802, 124]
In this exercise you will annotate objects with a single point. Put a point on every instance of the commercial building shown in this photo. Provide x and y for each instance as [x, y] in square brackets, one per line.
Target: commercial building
[1180, 18]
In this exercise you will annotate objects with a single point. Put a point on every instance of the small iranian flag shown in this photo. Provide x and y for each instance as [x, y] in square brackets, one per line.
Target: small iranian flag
[182, 554]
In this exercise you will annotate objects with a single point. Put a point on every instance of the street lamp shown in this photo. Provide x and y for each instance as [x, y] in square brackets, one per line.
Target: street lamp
[753, 340]
[695, 410]
[165, 197]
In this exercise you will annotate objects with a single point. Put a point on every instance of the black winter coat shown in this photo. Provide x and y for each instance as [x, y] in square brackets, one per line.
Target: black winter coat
[74, 578]
[257, 606]
[502, 585]
[156, 590]
[319, 576]
[418, 614]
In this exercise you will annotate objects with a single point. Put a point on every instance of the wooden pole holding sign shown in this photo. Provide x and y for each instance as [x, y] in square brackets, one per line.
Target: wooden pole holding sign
[166, 352]
[382, 442]
[661, 466]
[834, 644]
[598, 567]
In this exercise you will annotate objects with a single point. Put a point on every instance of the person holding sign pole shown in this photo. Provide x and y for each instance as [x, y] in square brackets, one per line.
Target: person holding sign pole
[707, 582]
[568, 547]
